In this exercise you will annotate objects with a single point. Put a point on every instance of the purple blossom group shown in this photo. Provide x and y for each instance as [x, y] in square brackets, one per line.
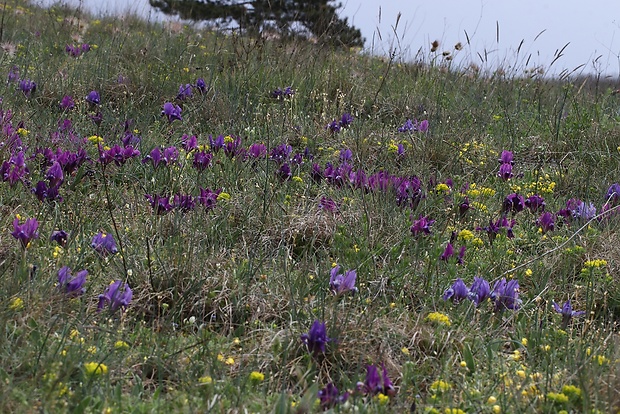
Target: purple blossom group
[376, 383]
[316, 339]
[280, 93]
[172, 112]
[25, 232]
[71, 285]
[117, 295]
[338, 124]
[76, 51]
[340, 283]
[104, 244]
[505, 294]
[414, 126]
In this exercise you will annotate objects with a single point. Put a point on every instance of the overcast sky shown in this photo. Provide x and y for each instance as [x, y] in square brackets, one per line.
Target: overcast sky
[591, 29]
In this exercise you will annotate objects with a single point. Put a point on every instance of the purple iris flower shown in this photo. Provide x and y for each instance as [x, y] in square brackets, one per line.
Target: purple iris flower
[154, 156]
[73, 50]
[535, 203]
[117, 295]
[257, 150]
[613, 194]
[201, 85]
[316, 338]
[506, 295]
[184, 202]
[13, 74]
[448, 252]
[185, 91]
[505, 171]
[232, 147]
[346, 154]
[343, 122]
[72, 286]
[408, 191]
[494, 228]
[464, 207]
[546, 222]
[208, 198]
[284, 172]
[161, 205]
[189, 143]
[480, 291]
[567, 312]
[328, 204]
[216, 144]
[341, 283]
[413, 126]
[457, 292]
[372, 382]
[25, 232]
[506, 157]
[27, 87]
[93, 98]
[461, 256]
[317, 174]
[577, 209]
[60, 237]
[172, 112]
[202, 160]
[330, 397]
[422, 225]
[15, 169]
[67, 103]
[104, 244]
[43, 192]
[388, 386]
[55, 175]
[346, 120]
[513, 203]
[280, 93]
[358, 179]
[281, 153]
[375, 383]
[117, 154]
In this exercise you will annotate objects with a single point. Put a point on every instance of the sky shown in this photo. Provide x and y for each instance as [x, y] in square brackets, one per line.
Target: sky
[589, 30]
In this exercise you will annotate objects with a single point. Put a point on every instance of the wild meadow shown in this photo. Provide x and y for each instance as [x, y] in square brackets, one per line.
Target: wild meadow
[195, 221]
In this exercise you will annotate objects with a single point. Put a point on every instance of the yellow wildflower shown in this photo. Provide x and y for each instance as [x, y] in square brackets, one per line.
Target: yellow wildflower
[256, 377]
[95, 368]
[438, 318]
[440, 386]
[16, 304]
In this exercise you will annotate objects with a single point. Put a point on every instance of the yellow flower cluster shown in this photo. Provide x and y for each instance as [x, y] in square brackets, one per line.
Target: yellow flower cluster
[440, 386]
[16, 304]
[257, 377]
[597, 263]
[438, 318]
[466, 235]
[95, 368]
[475, 191]
[557, 397]
[543, 185]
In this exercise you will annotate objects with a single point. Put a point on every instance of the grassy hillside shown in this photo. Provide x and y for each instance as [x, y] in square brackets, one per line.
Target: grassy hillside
[184, 212]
